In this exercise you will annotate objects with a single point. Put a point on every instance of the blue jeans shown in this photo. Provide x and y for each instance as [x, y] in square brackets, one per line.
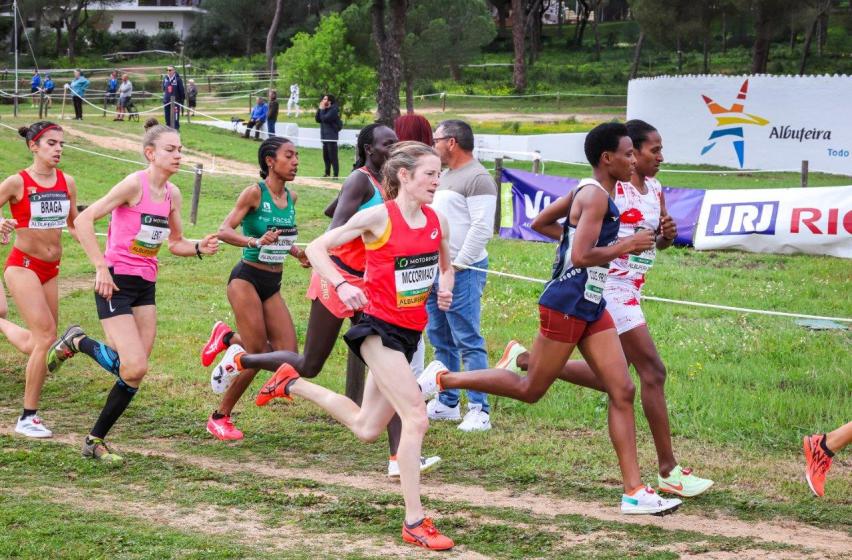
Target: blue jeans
[270, 128]
[455, 333]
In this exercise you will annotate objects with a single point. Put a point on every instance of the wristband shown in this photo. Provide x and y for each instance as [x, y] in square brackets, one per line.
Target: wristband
[342, 282]
[198, 250]
[249, 243]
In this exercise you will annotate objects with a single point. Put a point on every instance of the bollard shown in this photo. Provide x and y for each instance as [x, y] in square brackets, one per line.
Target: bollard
[536, 167]
[804, 173]
[196, 192]
[498, 178]
[356, 373]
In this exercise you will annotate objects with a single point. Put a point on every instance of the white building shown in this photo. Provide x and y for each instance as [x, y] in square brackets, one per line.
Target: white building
[152, 16]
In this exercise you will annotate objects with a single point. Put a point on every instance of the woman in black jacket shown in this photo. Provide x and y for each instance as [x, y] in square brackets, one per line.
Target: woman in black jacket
[328, 115]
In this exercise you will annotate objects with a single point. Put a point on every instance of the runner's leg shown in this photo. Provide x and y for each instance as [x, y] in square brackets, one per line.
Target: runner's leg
[839, 438]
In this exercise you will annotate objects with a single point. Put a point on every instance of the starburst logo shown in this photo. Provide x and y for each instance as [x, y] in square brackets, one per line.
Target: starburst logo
[729, 122]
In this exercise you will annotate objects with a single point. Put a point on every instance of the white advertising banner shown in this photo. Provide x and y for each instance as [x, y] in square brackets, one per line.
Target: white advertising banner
[812, 220]
[750, 122]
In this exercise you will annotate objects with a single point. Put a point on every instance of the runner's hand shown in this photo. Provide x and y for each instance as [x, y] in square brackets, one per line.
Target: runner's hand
[268, 238]
[302, 257]
[6, 229]
[351, 296]
[209, 244]
[104, 286]
[445, 299]
[642, 240]
[668, 227]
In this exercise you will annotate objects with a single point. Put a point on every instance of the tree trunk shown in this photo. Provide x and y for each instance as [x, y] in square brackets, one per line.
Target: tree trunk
[58, 28]
[73, 24]
[822, 27]
[679, 57]
[519, 73]
[389, 40]
[409, 95]
[707, 51]
[806, 47]
[597, 34]
[584, 20]
[560, 18]
[270, 36]
[455, 72]
[637, 55]
[724, 33]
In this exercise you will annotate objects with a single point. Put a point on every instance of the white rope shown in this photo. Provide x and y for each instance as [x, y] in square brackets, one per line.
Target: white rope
[146, 111]
[555, 94]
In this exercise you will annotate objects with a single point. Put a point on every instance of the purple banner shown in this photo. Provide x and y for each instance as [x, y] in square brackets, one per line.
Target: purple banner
[530, 193]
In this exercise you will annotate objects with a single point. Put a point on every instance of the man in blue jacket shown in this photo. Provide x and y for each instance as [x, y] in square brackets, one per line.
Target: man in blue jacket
[35, 85]
[111, 89]
[78, 87]
[258, 117]
[172, 89]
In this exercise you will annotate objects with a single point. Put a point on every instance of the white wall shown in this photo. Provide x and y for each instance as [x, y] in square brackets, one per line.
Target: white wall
[148, 22]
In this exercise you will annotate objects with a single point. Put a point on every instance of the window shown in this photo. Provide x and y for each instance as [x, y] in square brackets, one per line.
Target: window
[167, 25]
[128, 25]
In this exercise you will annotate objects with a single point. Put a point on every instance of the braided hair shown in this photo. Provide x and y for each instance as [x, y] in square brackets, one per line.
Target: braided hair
[269, 148]
[365, 138]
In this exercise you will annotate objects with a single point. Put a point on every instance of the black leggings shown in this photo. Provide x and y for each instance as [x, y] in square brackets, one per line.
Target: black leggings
[78, 107]
[329, 157]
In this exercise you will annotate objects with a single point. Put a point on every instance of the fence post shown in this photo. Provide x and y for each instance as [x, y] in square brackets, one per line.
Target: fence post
[804, 173]
[209, 87]
[443, 101]
[537, 163]
[64, 94]
[41, 106]
[171, 120]
[105, 104]
[196, 192]
[498, 178]
[355, 374]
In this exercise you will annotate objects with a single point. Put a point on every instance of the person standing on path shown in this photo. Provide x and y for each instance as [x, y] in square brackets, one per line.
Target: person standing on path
[78, 87]
[272, 114]
[328, 115]
[125, 93]
[293, 101]
[467, 196]
[172, 90]
[191, 96]
[111, 89]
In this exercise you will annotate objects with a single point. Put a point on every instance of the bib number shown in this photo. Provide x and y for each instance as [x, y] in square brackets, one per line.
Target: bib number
[595, 282]
[275, 253]
[643, 262]
[414, 277]
[153, 231]
[49, 210]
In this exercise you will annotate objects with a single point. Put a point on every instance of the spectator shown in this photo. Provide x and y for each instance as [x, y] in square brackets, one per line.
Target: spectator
[293, 102]
[48, 86]
[191, 96]
[328, 115]
[467, 196]
[257, 118]
[172, 89]
[111, 89]
[272, 117]
[125, 92]
[35, 85]
[413, 127]
[78, 87]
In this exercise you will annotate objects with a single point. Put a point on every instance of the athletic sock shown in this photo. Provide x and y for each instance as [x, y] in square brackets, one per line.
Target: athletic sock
[226, 340]
[105, 356]
[217, 416]
[288, 385]
[824, 447]
[415, 525]
[28, 412]
[117, 401]
[633, 492]
[238, 361]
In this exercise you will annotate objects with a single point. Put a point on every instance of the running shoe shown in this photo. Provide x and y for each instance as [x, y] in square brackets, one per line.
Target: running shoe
[215, 344]
[426, 465]
[509, 359]
[33, 427]
[427, 536]
[683, 483]
[436, 410]
[226, 370]
[223, 429]
[63, 349]
[96, 448]
[276, 387]
[817, 463]
[476, 420]
[428, 380]
[646, 501]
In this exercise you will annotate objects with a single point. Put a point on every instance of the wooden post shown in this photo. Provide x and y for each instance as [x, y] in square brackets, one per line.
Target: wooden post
[106, 95]
[64, 94]
[443, 101]
[196, 192]
[41, 106]
[498, 178]
[209, 87]
[171, 120]
[537, 163]
[356, 373]
[804, 173]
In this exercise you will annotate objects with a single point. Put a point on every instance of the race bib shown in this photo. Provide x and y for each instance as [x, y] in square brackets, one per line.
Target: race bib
[595, 282]
[49, 210]
[153, 231]
[275, 253]
[414, 277]
[643, 262]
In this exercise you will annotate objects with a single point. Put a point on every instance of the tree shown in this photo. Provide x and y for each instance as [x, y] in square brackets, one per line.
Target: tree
[818, 9]
[325, 63]
[229, 28]
[768, 17]
[523, 17]
[270, 36]
[389, 34]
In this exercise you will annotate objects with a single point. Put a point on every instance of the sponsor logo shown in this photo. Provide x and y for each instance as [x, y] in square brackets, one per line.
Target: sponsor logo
[787, 132]
[434, 233]
[267, 207]
[730, 121]
[742, 218]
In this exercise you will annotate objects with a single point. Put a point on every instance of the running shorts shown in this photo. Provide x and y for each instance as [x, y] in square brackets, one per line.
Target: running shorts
[265, 282]
[393, 337]
[44, 270]
[560, 327]
[622, 302]
[133, 291]
[320, 289]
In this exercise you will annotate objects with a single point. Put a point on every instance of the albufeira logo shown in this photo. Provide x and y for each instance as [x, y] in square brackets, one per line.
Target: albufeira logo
[729, 123]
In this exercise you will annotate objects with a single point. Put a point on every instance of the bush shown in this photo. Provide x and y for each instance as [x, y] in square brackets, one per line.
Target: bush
[133, 41]
[166, 40]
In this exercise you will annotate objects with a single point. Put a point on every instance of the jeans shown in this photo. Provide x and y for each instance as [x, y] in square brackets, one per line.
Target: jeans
[270, 128]
[329, 157]
[455, 333]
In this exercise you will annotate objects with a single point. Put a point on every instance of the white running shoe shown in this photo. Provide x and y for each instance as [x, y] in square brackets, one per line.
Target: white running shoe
[436, 410]
[426, 464]
[428, 380]
[475, 420]
[226, 370]
[33, 427]
[648, 502]
[509, 359]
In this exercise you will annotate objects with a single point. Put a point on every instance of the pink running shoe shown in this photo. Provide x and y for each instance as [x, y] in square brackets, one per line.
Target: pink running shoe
[215, 344]
[223, 429]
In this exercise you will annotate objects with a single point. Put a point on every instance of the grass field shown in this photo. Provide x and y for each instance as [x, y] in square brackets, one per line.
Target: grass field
[742, 391]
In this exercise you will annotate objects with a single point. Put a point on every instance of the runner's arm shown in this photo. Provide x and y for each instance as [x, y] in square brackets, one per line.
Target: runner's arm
[128, 191]
[10, 188]
[668, 227]
[72, 213]
[248, 201]
[547, 221]
[356, 190]
[178, 244]
[592, 205]
[447, 280]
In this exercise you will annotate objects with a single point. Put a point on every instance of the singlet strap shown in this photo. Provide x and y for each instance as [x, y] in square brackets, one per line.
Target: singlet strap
[145, 183]
[573, 195]
[372, 178]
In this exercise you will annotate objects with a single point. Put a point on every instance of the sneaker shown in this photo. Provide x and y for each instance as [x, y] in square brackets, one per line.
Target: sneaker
[426, 465]
[475, 420]
[436, 410]
[683, 483]
[428, 380]
[63, 349]
[223, 429]
[276, 387]
[33, 427]
[215, 344]
[509, 359]
[817, 463]
[646, 501]
[226, 371]
[427, 536]
[96, 448]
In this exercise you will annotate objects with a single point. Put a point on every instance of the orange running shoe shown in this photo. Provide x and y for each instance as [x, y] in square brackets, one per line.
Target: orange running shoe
[427, 536]
[276, 387]
[817, 463]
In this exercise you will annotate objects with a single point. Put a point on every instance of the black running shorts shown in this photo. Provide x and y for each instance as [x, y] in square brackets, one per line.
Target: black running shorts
[393, 337]
[133, 291]
[265, 282]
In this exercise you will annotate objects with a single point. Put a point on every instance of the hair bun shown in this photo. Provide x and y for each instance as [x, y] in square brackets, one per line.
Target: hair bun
[151, 123]
[23, 131]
